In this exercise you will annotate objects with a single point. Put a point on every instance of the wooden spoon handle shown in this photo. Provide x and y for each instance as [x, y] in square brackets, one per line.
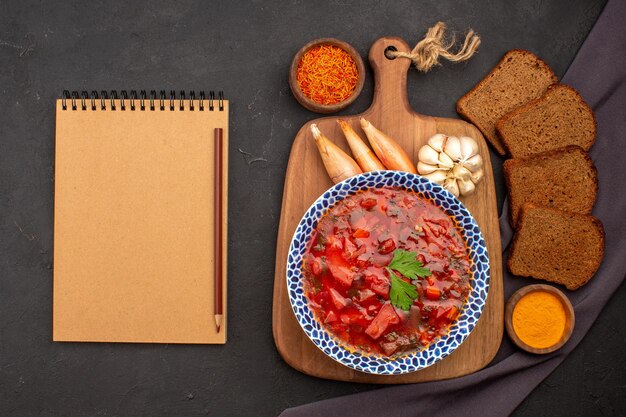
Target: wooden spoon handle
[389, 75]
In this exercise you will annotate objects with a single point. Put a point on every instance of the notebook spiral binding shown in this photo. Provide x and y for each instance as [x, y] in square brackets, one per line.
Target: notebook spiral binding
[75, 100]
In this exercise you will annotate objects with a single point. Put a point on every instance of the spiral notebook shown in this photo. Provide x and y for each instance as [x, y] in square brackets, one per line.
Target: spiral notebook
[134, 217]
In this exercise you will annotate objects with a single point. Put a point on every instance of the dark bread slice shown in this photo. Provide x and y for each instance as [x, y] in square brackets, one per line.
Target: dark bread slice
[558, 118]
[518, 78]
[564, 178]
[557, 246]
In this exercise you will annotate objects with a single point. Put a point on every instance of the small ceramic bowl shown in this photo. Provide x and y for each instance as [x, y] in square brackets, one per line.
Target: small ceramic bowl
[439, 348]
[569, 317]
[313, 105]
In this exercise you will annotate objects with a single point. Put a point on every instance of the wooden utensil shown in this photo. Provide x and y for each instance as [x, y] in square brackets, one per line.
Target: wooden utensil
[306, 179]
[218, 275]
[569, 317]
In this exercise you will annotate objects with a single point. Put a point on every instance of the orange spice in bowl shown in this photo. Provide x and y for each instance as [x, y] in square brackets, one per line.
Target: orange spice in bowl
[539, 318]
[326, 75]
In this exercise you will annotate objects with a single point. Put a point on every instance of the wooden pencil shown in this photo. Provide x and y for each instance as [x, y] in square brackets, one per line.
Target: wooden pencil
[218, 271]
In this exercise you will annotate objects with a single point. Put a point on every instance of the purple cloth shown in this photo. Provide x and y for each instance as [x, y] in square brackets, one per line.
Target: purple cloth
[598, 74]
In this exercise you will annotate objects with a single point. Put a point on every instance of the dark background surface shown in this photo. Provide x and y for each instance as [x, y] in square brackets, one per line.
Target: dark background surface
[244, 49]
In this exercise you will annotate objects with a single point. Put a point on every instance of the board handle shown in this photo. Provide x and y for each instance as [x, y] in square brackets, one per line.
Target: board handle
[389, 74]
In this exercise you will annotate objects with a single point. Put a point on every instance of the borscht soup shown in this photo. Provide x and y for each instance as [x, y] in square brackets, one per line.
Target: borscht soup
[386, 272]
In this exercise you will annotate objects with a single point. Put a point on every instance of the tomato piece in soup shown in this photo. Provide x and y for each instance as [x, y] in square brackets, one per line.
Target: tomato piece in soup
[378, 283]
[338, 300]
[340, 270]
[385, 317]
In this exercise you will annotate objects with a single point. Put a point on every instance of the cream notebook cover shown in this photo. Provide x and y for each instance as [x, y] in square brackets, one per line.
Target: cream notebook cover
[133, 219]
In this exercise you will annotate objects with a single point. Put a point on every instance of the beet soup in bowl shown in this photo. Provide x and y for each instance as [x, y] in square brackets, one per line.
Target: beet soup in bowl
[387, 272]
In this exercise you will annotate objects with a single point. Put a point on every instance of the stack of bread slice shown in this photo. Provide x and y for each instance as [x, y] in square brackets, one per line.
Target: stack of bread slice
[547, 129]
[518, 78]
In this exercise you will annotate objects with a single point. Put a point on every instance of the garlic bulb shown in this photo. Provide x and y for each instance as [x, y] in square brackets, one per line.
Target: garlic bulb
[452, 162]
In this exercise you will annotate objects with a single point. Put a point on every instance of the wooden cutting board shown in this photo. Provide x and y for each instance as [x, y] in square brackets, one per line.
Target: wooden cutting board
[306, 180]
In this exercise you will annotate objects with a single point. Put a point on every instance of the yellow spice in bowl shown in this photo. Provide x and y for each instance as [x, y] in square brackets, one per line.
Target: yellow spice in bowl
[539, 319]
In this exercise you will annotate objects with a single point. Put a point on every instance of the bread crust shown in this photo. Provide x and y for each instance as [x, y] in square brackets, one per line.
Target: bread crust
[502, 121]
[602, 242]
[510, 164]
[498, 146]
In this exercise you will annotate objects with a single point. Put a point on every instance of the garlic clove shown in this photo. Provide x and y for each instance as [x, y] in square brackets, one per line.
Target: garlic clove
[453, 148]
[437, 176]
[424, 168]
[461, 173]
[474, 163]
[466, 187]
[438, 141]
[477, 176]
[469, 147]
[445, 161]
[428, 155]
[451, 185]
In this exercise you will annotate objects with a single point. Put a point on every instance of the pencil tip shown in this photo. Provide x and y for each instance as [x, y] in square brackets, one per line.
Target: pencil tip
[218, 322]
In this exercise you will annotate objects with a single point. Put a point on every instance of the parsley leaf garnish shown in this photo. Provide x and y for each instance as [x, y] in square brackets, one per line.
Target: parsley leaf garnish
[405, 262]
[402, 294]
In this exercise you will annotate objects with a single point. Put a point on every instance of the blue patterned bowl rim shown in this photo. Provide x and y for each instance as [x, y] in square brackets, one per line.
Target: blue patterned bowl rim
[440, 348]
